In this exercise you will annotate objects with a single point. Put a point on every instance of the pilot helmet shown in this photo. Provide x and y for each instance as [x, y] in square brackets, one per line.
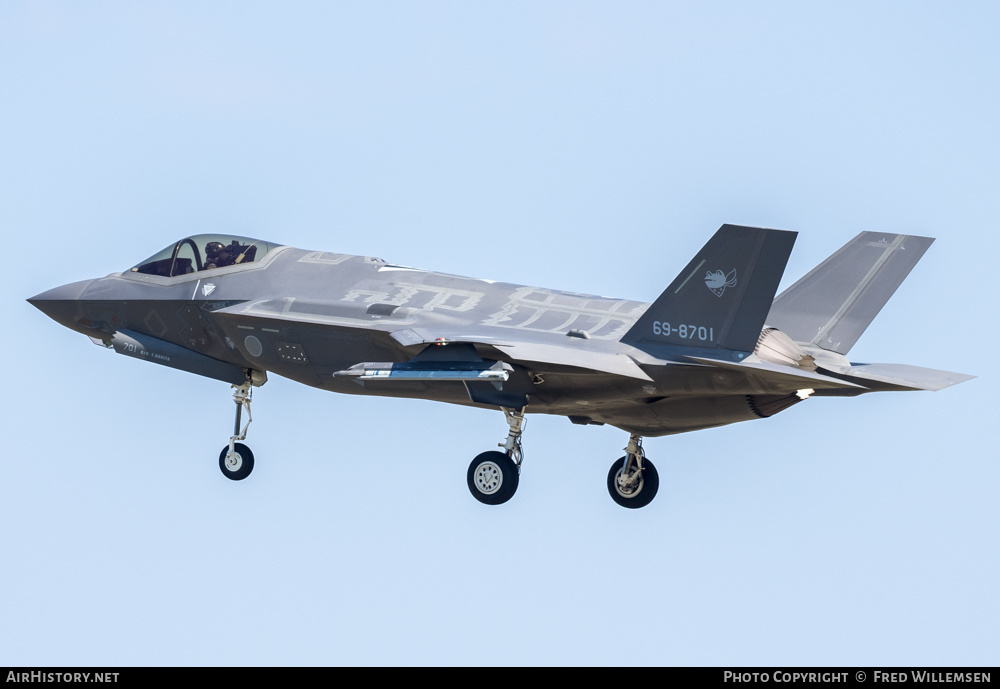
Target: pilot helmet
[212, 249]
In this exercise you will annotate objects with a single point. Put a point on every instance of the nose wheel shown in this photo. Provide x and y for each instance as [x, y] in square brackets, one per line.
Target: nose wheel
[236, 464]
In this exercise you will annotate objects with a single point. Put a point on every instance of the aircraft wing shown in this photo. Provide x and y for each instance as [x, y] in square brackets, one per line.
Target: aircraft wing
[571, 354]
[606, 362]
[568, 354]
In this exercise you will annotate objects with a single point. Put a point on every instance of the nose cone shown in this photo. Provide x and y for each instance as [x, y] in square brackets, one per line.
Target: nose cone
[62, 304]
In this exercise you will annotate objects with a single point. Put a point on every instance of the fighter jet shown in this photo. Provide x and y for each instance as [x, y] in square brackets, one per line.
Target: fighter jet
[715, 348]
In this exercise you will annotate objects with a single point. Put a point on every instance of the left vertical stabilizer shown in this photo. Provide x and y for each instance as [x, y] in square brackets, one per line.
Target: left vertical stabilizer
[720, 300]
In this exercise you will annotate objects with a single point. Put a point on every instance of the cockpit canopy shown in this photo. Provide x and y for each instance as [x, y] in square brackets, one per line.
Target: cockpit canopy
[204, 252]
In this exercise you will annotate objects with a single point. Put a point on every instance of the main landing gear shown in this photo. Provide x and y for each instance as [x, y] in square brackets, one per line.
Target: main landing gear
[633, 481]
[236, 459]
[493, 476]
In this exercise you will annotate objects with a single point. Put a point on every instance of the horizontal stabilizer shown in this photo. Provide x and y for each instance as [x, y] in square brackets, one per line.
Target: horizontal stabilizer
[833, 304]
[776, 373]
[720, 300]
[901, 376]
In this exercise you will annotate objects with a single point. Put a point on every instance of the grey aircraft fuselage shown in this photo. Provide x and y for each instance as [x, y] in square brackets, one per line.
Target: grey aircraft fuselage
[305, 315]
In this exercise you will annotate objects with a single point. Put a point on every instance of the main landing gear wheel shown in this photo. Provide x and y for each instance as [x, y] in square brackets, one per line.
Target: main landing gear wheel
[629, 490]
[492, 478]
[238, 464]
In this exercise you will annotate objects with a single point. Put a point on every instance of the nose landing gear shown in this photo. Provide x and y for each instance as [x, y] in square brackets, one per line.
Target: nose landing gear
[236, 459]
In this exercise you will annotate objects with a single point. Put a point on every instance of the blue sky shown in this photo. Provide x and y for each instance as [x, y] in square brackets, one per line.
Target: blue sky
[583, 146]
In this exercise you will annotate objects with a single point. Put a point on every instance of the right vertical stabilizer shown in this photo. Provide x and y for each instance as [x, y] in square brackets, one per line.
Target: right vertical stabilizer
[837, 300]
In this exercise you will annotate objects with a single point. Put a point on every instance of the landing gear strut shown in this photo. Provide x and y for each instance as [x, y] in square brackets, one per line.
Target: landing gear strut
[493, 476]
[633, 481]
[236, 459]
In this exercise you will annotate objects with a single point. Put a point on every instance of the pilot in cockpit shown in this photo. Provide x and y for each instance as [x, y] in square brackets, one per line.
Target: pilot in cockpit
[217, 255]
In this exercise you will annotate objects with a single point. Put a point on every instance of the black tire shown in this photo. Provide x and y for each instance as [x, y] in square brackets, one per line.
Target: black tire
[641, 496]
[242, 466]
[492, 478]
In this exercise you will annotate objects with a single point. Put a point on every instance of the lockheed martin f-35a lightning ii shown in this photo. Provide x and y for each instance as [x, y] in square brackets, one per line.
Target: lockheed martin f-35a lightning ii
[715, 348]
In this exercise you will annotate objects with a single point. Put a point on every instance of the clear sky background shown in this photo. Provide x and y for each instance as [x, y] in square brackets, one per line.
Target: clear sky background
[583, 146]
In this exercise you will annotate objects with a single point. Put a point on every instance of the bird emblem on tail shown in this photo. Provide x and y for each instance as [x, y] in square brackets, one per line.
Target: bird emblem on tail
[719, 281]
